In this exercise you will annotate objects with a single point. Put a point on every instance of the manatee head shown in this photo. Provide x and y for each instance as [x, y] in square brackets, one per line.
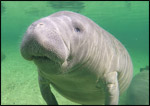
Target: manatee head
[56, 38]
[42, 39]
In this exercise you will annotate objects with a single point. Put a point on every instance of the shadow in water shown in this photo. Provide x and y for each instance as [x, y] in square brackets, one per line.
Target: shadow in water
[3, 8]
[75, 6]
[2, 56]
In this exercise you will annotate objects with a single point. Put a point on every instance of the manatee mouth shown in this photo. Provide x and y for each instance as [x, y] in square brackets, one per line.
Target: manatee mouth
[45, 59]
[41, 58]
[33, 51]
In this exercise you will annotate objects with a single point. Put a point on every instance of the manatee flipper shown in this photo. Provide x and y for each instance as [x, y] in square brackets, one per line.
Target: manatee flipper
[111, 88]
[46, 91]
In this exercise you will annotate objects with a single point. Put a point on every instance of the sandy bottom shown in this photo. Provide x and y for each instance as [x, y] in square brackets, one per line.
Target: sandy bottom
[20, 82]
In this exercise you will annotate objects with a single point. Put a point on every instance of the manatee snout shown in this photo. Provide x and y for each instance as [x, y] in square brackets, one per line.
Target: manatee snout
[43, 41]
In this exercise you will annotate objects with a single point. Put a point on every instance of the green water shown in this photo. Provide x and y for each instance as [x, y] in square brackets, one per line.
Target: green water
[128, 21]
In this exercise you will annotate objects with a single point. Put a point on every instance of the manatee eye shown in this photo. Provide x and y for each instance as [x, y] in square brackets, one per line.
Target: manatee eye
[77, 29]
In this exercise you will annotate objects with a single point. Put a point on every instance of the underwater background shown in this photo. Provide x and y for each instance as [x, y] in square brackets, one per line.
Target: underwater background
[128, 21]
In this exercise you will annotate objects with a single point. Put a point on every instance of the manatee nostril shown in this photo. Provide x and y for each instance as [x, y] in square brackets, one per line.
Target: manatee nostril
[41, 24]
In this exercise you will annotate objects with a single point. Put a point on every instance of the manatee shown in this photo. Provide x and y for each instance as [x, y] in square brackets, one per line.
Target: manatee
[82, 61]
[138, 92]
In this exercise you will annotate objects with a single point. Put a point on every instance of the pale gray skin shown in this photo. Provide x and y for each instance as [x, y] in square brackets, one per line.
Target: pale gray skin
[82, 61]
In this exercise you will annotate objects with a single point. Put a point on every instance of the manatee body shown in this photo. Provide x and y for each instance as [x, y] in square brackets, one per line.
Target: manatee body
[82, 61]
[138, 92]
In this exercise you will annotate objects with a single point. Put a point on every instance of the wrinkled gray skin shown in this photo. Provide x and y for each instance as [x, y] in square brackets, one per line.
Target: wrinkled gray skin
[82, 61]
